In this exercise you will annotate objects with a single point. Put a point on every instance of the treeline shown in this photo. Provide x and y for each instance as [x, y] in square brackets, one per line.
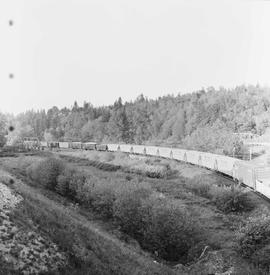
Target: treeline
[203, 120]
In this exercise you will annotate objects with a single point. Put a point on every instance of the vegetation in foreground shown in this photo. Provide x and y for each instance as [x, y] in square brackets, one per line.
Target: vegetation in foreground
[89, 249]
[253, 241]
[159, 225]
[154, 212]
[228, 199]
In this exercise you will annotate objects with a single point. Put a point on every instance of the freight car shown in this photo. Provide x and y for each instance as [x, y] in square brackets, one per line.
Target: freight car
[102, 147]
[64, 145]
[53, 145]
[43, 145]
[31, 143]
[76, 145]
[89, 146]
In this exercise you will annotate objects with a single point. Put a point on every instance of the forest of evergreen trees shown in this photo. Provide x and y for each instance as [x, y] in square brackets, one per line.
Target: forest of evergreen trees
[203, 120]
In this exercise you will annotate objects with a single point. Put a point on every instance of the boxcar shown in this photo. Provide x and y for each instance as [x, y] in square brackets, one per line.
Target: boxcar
[152, 151]
[226, 165]
[43, 145]
[126, 148]
[112, 147]
[245, 172]
[76, 145]
[30, 143]
[64, 145]
[139, 149]
[193, 157]
[89, 146]
[53, 144]
[263, 186]
[102, 147]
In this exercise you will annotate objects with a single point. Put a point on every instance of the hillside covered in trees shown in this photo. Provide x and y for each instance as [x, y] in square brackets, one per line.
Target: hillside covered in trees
[203, 120]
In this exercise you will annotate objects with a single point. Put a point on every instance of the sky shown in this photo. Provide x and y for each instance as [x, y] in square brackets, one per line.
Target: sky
[98, 50]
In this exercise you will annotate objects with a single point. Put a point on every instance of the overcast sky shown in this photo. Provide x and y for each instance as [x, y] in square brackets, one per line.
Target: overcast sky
[97, 50]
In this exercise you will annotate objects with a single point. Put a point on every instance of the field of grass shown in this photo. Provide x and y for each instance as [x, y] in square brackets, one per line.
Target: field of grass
[97, 245]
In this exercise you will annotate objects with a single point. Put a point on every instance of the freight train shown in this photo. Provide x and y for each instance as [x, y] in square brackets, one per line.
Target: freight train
[253, 176]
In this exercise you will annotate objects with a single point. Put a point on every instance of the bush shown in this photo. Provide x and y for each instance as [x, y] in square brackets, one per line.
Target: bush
[151, 171]
[261, 257]
[171, 232]
[199, 187]
[102, 199]
[253, 241]
[69, 181]
[158, 225]
[232, 200]
[128, 211]
[227, 199]
[46, 172]
[84, 192]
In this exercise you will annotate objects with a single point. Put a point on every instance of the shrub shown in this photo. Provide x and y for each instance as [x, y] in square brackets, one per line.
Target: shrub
[203, 189]
[84, 192]
[232, 200]
[46, 172]
[69, 181]
[128, 211]
[102, 199]
[253, 241]
[199, 187]
[171, 232]
[152, 171]
[261, 257]
[226, 199]
[128, 177]
[157, 224]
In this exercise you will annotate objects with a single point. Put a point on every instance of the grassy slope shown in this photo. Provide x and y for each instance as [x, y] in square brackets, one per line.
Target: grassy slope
[92, 250]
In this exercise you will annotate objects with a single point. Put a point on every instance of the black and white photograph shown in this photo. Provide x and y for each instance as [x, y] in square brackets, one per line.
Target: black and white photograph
[135, 137]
